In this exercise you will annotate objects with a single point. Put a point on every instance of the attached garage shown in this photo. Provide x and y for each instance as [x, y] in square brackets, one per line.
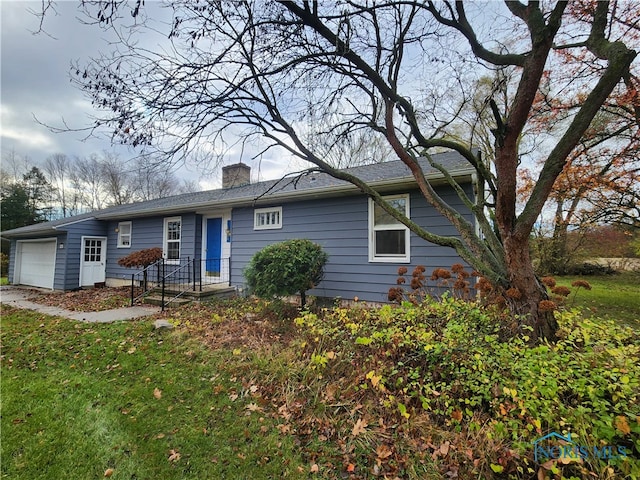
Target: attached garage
[35, 262]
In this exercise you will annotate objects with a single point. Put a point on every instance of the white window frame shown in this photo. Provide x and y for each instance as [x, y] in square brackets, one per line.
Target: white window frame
[387, 258]
[122, 236]
[166, 240]
[263, 218]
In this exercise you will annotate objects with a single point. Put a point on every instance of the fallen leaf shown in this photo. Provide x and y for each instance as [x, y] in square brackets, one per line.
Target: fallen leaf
[314, 468]
[108, 472]
[444, 448]
[351, 468]
[157, 393]
[253, 407]
[174, 455]
[359, 427]
[457, 415]
[622, 425]
[383, 451]
[549, 464]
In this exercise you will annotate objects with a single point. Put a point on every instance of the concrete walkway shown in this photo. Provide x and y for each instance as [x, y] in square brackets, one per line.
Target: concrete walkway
[19, 297]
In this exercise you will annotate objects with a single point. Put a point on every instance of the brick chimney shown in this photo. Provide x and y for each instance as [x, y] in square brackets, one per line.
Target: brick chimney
[236, 175]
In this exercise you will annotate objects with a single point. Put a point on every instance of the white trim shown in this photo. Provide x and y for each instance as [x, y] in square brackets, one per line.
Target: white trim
[225, 251]
[130, 234]
[268, 222]
[165, 241]
[103, 258]
[398, 258]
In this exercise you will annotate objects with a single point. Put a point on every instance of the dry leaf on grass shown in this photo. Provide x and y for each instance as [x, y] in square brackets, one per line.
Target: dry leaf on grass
[359, 427]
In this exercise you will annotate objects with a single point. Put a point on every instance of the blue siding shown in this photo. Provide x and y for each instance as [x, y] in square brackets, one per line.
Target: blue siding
[67, 266]
[340, 226]
[148, 233]
[68, 259]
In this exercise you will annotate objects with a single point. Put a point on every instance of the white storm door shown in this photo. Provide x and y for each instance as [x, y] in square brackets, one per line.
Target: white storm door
[93, 258]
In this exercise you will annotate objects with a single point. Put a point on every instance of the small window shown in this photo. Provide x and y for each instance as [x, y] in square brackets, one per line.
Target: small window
[267, 218]
[124, 235]
[388, 238]
[172, 235]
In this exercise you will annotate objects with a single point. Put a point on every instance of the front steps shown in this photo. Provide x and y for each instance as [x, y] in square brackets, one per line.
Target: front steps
[209, 292]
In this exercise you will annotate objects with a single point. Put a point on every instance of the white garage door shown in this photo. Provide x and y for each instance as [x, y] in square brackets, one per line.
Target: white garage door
[36, 263]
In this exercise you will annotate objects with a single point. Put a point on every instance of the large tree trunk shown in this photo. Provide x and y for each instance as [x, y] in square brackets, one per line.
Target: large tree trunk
[525, 293]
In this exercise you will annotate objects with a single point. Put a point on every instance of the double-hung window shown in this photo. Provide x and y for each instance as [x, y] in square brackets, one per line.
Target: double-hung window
[172, 234]
[124, 235]
[388, 238]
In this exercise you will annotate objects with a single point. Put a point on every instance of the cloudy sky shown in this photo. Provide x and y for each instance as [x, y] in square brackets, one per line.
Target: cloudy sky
[36, 85]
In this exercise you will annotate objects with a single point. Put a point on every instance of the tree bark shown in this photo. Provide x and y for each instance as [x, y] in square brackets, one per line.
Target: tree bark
[524, 293]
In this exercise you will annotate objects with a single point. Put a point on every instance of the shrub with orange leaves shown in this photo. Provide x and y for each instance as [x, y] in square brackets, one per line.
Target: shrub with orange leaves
[141, 258]
[581, 283]
[547, 306]
[561, 291]
[549, 281]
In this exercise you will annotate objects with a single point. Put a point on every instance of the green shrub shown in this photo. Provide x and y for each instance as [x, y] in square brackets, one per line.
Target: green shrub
[286, 268]
[448, 360]
[4, 264]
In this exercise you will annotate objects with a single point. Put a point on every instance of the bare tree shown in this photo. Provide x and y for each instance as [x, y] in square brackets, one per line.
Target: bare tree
[88, 182]
[117, 178]
[58, 170]
[153, 180]
[244, 69]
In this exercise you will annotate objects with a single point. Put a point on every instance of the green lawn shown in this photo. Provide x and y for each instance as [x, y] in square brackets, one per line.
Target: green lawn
[243, 390]
[79, 399]
[612, 296]
[4, 281]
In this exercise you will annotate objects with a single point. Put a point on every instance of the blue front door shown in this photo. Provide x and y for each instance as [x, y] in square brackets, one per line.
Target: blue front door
[214, 246]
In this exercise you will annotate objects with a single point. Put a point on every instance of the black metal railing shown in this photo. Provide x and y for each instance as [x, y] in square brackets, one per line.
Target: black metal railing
[173, 279]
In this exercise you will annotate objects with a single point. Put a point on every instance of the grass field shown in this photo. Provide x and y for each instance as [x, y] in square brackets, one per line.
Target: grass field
[241, 390]
[611, 296]
[80, 401]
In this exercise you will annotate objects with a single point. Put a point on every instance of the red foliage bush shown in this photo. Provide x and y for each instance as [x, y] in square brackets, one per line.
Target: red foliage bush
[141, 258]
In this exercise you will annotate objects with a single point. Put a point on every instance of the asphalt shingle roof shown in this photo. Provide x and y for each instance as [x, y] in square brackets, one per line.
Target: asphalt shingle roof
[288, 187]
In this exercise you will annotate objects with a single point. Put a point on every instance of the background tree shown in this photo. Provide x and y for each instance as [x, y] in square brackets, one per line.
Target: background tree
[23, 201]
[241, 67]
[57, 168]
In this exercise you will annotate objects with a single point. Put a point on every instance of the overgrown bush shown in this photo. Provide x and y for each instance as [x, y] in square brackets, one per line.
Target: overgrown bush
[417, 289]
[286, 268]
[141, 259]
[447, 361]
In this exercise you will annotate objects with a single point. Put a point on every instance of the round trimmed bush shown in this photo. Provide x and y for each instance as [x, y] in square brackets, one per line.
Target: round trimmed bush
[286, 268]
